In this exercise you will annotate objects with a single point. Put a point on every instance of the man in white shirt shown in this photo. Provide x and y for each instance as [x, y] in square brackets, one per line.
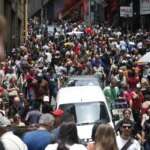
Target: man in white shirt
[125, 140]
[12, 142]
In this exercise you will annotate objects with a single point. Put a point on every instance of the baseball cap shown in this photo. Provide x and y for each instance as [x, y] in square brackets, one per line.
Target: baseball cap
[46, 99]
[58, 113]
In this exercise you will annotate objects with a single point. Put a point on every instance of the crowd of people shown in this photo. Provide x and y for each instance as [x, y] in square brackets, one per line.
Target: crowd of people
[31, 75]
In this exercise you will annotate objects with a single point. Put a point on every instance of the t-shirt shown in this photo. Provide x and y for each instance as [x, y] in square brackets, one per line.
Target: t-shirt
[12, 142]
[111, 94]
[119, 124]
[33, 116]
[37, 140]
[121, 142]
[132, 81]
[72, 147]
[137, 102]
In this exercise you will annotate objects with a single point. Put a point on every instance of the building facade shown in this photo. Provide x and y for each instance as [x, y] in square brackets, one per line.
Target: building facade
[45, 9]
[14, 12]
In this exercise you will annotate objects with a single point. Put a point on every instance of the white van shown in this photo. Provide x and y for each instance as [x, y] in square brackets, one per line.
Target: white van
[86, 105]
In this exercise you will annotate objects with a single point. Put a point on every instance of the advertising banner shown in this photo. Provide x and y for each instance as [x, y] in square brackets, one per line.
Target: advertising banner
[126, 11]
[144, 7]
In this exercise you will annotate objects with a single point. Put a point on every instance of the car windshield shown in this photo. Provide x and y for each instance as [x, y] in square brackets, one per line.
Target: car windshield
[86, 82]
[86, 113]
[83, 82]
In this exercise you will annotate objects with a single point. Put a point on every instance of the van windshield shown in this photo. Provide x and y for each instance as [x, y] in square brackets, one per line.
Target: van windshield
[85, 113]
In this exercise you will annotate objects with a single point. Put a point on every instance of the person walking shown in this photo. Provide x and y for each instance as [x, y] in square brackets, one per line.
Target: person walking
[125, 141]
[68, 139]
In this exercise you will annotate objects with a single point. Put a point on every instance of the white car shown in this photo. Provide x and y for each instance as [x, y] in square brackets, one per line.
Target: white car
[86, 105]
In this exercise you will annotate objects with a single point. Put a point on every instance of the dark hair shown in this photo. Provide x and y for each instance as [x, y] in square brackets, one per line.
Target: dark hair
[131, 73]
[46, 108]
[1, 146]
[126, 122]
[61, 146]
[68, 133]
[94, 131]
[36, 105]
[125, 110]
[2, 131]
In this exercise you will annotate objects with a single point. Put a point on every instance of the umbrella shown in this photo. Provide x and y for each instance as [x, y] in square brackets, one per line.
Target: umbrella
[145, 58]
[69, 44]
[146, 104]
[23, 48]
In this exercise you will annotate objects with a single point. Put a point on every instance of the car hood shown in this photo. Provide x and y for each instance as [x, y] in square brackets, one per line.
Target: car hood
[85, 131]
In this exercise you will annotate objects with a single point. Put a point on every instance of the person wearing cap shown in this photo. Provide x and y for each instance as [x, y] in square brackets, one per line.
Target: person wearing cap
[58, 114]
[125, 141]
[46, 99]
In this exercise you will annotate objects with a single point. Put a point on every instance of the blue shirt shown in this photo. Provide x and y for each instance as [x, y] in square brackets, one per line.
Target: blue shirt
[37, 140]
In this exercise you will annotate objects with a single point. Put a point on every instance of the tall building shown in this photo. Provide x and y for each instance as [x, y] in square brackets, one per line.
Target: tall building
[44, 9]
[14, 11]
[76, 10]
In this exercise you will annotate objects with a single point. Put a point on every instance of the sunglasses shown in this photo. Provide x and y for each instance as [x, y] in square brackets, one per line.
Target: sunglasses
[129, 127]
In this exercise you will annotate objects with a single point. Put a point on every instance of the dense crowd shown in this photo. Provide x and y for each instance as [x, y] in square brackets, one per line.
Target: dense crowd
[32, 74]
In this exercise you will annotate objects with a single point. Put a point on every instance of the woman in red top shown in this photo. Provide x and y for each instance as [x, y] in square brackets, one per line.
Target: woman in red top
[137, 99]
[132, 79]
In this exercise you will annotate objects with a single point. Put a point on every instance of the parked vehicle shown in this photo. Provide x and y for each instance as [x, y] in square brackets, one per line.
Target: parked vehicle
[86, 105]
